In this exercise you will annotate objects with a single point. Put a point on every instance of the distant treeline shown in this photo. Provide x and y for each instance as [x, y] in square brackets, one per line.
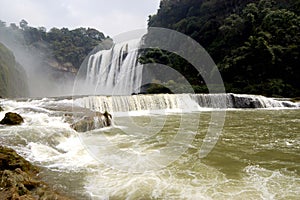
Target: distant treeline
[255, 43]
[64, 45]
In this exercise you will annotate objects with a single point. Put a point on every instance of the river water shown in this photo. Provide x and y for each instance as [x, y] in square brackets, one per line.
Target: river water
[257, 155]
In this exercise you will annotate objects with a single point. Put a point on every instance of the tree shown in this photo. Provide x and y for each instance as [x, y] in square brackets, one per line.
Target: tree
[23, 24]
[13, 26]
[2, 24]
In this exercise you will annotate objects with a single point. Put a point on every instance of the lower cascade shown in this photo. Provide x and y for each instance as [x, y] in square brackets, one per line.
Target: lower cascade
[185, 102]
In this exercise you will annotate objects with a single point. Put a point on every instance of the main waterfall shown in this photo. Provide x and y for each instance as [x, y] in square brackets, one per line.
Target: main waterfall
[115, 71]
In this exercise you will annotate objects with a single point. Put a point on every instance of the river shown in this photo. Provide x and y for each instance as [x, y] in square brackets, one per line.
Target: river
[256, 156]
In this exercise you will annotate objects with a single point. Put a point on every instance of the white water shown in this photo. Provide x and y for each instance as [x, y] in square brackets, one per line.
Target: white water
[179, 102]
[114, 71]
[48, 141]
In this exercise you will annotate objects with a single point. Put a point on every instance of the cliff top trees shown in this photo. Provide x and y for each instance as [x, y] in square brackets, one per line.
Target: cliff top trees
[255, 43]
[66, 45]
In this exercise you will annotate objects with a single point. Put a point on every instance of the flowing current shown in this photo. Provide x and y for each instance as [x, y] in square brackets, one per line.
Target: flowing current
[256, 156]
[114, 71]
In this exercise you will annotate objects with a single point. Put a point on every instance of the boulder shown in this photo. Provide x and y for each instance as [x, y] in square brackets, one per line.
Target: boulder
[12, 119]
[1, 109]
[245, 102]
[84, 124]
[108, 118]
[91, 121]
[10, 160]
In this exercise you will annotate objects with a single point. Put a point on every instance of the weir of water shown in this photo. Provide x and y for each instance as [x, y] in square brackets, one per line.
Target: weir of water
[184, 102]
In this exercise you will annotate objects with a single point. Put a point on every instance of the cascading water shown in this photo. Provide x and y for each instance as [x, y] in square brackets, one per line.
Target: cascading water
[115, 71]
[182, 102]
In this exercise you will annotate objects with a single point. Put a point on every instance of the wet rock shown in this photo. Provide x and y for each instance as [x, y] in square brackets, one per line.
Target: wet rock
[245, 102]
[289, 104]
[108, 118]
[10, 160]
[19, 179]
[1, 109]
[12, 119]
[91, 121]
[84, 124]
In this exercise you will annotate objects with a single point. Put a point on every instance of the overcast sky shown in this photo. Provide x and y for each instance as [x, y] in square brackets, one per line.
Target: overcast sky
[111, 17]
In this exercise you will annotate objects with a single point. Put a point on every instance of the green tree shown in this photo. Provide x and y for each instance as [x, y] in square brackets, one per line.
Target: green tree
[23, 24]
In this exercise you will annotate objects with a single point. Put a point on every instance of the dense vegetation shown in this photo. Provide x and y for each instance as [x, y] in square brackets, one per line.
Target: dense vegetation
[67, 47]
[13, 82]
[255, 43]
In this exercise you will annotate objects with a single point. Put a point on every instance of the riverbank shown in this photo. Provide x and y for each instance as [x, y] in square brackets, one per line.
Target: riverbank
[20, 179]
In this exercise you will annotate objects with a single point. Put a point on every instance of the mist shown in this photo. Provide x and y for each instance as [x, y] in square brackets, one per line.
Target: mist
[43, 79]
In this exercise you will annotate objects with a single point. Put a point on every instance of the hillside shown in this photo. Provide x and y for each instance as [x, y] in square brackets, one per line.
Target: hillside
[51, 58]
[255, 43]
[13, 79]
[62, 49]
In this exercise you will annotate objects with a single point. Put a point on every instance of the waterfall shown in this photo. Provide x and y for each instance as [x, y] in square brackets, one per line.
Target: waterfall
[138, 103]
[114, 71]
[183, 102]
[239, 101]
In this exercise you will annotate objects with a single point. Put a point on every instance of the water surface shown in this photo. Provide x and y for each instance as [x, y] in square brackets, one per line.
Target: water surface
[257, 155]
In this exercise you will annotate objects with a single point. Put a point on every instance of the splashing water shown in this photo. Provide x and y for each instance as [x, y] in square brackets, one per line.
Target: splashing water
[114, 71]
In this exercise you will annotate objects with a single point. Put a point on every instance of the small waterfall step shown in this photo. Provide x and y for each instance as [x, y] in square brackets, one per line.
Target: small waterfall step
[185, 102]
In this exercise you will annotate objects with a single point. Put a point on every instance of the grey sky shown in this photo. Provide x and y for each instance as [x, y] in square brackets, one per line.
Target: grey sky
[109, 16]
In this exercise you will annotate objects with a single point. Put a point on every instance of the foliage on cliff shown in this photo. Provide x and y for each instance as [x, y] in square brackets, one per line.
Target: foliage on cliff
[13, 81]
[255, 43]
[67, 47]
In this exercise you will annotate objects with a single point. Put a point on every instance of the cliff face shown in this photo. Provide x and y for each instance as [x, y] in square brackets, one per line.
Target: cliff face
[13, 80]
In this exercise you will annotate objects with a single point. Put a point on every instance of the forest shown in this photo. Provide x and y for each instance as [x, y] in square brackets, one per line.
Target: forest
[255, 43]
[64, 45]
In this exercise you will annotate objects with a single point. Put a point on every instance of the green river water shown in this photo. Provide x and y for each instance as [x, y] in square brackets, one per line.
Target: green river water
[256, 157]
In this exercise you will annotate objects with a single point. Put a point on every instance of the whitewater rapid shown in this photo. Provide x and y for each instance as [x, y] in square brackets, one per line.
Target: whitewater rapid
[47, 140]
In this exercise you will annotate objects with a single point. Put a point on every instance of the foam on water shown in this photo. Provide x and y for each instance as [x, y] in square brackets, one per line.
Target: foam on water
[47, 140]
[68, 155]
[269, 184]
[205, 183]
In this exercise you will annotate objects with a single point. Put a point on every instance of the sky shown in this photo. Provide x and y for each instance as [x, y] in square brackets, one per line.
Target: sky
[112, 17]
